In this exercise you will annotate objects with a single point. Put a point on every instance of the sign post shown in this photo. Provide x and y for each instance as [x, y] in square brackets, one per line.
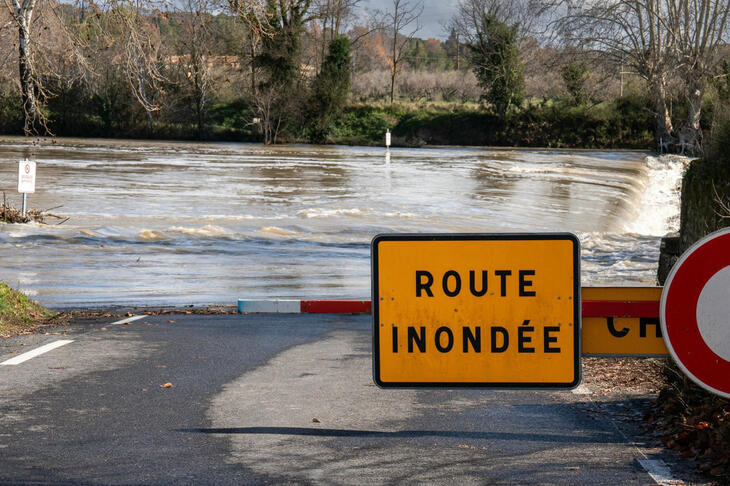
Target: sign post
[695, 312]
[476, 310]
[26, 180]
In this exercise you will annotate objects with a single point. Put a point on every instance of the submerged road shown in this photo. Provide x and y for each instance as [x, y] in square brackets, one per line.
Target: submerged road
[271, 399]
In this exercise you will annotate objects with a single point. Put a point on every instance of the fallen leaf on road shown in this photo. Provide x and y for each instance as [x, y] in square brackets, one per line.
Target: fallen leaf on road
[160, 366]
[316, 420]
[170, 322]
[166, 385]
[145, 389]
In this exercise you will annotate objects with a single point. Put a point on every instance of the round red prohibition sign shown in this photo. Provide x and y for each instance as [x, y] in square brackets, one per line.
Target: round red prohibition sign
[695, 312]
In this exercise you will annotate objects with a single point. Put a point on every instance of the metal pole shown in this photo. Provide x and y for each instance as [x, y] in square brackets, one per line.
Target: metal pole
[25, 200]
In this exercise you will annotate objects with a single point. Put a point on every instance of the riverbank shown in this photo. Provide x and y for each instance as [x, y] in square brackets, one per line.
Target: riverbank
[623, 123]
[18, 314]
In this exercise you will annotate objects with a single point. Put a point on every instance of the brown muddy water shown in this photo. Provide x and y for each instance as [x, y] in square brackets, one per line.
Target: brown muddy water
[161, 223]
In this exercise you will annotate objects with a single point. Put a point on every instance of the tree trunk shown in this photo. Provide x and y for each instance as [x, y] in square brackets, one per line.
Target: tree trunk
[694, 114]
[664, 129]
[392, 84]
[27, 87]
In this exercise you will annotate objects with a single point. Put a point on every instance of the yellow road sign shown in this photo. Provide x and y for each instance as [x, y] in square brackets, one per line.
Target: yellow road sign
[617, 335]
[488, 310]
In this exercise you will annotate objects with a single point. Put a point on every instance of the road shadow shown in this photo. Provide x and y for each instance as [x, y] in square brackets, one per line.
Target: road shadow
[408, 434]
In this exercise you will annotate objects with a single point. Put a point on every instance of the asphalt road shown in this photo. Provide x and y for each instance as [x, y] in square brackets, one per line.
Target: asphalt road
[270, 399]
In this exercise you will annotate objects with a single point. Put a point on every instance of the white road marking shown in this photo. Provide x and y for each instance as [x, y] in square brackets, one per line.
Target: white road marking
[656, 468]
[36, 352]
[659, 472]
[127, 320]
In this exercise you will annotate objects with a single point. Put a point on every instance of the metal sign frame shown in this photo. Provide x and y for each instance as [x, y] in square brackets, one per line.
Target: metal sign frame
[576, 307]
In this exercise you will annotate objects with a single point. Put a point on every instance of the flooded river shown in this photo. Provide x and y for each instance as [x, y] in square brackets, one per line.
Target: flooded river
[156, 223]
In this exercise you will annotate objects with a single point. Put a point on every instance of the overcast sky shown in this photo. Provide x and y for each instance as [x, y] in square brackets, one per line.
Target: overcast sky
[435, 12]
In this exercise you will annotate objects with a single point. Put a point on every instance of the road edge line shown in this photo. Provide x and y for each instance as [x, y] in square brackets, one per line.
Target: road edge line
[21, 358]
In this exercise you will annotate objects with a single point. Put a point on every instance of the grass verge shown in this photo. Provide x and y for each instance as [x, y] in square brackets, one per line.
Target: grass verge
[19, 315]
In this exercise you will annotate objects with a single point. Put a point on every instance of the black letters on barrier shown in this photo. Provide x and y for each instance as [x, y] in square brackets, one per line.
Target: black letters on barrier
[419, 340]
[615, 332]
[451, 282]
[474, 338]
[503, 281]
[471, 337]
[649, 321]
[522, 340]
[449, 339]
[472, 283]
[445, 283]
[550, 339]
[526, 283]
[421, 285]
[505, 339]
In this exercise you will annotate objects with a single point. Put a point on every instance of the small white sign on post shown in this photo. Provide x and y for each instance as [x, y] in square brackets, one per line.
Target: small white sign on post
[26, 177]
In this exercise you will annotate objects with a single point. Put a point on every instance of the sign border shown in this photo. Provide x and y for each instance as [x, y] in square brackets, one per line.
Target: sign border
[32, 164]
[663, 307]
[577, 369]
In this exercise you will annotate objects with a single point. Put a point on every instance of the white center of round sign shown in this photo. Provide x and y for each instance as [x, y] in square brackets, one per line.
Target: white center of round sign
[713, 313]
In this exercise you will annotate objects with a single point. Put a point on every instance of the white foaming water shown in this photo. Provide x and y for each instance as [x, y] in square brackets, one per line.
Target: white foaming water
[175, 223]
[657, 210]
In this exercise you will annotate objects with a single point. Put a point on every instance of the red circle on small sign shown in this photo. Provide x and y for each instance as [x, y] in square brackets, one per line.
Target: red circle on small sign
[27, 168]
[679, 310]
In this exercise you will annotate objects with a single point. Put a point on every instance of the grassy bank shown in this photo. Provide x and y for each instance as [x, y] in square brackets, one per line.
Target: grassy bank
[20, 314]
[622, 123]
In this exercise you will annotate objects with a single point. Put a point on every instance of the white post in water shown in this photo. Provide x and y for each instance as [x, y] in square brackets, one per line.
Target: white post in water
[387, 138]
[26, 180]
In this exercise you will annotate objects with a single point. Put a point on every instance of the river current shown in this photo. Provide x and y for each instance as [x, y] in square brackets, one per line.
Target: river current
[174, 223]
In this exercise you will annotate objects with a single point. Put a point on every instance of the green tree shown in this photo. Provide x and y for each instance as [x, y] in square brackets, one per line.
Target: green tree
[282, 46]
[330, 89]
[575, 74]
[495, 57]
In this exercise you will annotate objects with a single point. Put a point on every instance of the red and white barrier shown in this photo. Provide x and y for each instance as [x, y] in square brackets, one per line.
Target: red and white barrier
[303, 306]
[591, 308]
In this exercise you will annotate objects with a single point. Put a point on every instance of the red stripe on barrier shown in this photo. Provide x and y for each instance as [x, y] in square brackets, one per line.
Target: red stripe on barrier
[607, 308]
[590, 308]
[335, 306]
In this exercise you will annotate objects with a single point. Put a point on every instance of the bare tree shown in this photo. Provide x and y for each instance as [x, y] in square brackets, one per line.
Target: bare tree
[700, 28]
[255, 16]
[332, 17]
[195, 43]
[45, 47]
[127, 27]
[402, 23]
[22, 12]
[635, 32]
